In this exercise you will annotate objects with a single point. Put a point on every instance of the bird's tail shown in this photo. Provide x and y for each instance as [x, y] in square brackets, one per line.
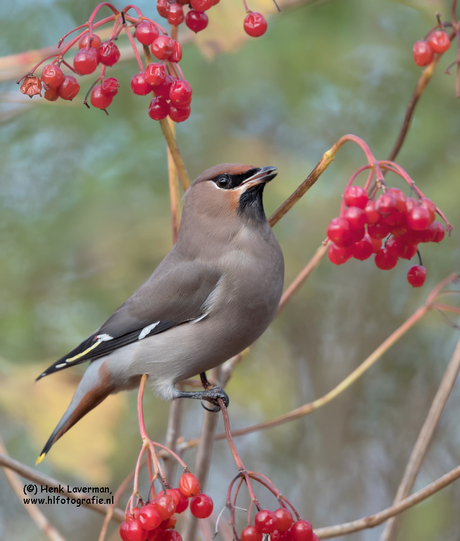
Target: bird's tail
[94, 387]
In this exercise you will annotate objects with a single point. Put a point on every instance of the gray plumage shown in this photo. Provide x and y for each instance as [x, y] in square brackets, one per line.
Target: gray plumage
[211, 297]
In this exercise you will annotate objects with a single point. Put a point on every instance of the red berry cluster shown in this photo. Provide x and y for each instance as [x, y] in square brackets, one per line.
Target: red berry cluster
[424, 51]
[280, 526]
[156, 520]
[197, 19]
[364, 223]
[163, 78]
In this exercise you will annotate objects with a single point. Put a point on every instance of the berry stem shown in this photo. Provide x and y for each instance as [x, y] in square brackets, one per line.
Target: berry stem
[323, 164]
[144, 18]
[98, 7]
[395, 168]
[246, 7]
[236, 456]
[134, 47]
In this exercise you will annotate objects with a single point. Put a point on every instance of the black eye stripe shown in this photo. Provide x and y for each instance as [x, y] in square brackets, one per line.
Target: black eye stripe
[229, 182]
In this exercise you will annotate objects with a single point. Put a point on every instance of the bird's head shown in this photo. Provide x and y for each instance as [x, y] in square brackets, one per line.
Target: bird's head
[230, 190]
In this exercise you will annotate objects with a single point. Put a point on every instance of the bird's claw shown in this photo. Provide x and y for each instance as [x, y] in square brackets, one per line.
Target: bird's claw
[213, 395]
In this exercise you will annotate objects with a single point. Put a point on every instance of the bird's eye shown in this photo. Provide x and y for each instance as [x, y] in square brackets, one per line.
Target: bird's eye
[223, 182]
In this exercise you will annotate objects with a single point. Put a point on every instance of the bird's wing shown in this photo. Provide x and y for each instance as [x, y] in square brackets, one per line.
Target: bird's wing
[177, 292]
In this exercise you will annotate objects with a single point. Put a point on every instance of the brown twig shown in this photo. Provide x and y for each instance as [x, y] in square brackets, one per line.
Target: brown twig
[425, 78]
[378, 518]
[44, 480]
[302, 276]
[423, 441]
[34, 511]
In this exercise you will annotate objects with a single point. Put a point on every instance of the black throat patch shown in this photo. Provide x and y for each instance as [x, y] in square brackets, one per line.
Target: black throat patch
[251, 203]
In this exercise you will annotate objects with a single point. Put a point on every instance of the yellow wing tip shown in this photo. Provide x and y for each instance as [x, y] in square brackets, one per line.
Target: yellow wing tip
[40, 458]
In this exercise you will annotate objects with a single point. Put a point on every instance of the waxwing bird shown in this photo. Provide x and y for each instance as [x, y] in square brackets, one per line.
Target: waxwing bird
[211, 297]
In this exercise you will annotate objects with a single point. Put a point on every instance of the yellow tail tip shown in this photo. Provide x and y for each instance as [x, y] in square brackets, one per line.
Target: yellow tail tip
[40, 458]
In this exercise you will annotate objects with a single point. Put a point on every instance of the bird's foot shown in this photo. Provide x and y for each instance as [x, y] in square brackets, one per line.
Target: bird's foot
[211, 395]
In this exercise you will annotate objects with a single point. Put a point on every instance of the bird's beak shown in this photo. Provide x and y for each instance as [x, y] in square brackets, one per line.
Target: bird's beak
[263, 175]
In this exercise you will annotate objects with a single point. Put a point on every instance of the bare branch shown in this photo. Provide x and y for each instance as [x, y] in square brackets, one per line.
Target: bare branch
[44, 480]
[374, 520]
[37, 516]
[424, 439]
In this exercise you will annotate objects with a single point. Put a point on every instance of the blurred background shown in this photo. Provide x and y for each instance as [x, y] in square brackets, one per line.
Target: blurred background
[85, 220]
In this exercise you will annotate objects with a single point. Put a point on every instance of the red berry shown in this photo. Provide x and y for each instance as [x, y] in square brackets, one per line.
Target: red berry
[430, 207]
[439, 41]
[283, 519]
[178, 114]
[131, 530]
[189, 485]
[439, 229]
[175, 14]
[94, 42]
[339, 231]
[356, 196]
[265, 521]
[395, 219]
[52, 75]
[110, 53]
[281, 536]
[149, 517]
[251, 533]
[172, 535]
[376, 244]
[315, 537]
[196, 20]
[146, 33]
[157, 535]
[158, 109]
[140, 86]
[418, 218]
[86, 61]
[302, 530]
[162, 47]
[170, 523]
[69, 88]
[411, 203]
[379, 230]
[52, 94]
[386, 204]
[385, 260]
[155, 74]
[356, 217]
[400, 199]
[176, 55]
[180, 93]
[163, 8]
[357, 234]
[99, 99]
[181, 501]
[371, 213]
[416, 275]
[164, 504]
[255, 24]
[363, 249]
[407, 251]
[423, 54]
[110, 86]
[162, 90]
[338, 255]
[201, 5]
[201, 506]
